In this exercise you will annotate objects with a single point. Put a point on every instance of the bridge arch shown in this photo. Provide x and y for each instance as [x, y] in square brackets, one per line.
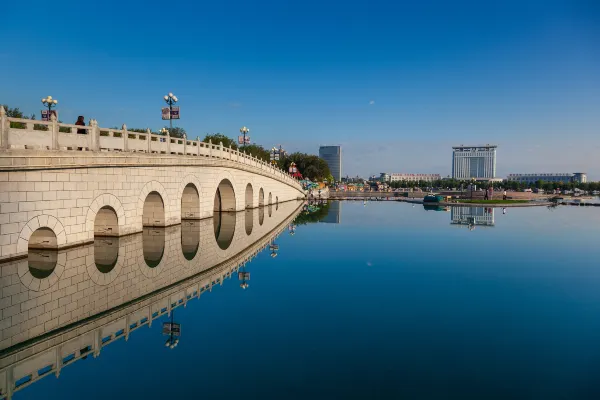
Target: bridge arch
[189, 197]
[276, 203]
[270, 198]
[249, 196]
[49, 223]
[261, 198]
[224, 197]
[105, 217]
[152, 205]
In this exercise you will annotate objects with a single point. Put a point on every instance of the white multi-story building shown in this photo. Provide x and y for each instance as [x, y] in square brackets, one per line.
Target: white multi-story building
[564, 177]
[399, 177]
[474, 162]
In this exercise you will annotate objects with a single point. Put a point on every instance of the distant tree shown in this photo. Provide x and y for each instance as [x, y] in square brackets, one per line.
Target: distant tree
[217, 138]
[256, 150]
[178, 132]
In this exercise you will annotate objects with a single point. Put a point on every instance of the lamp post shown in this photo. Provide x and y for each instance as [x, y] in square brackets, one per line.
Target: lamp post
[244, 131]
[49, 102]
[274, 150]
[170, 99]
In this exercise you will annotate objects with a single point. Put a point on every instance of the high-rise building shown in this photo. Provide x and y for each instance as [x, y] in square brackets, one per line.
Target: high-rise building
[333, 157]
[564, 177]
[477, 162]
[334, 212]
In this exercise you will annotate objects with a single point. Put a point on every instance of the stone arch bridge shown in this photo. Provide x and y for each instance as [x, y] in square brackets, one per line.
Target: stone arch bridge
[59, 188]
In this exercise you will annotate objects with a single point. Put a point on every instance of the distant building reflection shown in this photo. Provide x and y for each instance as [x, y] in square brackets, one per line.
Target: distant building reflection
[472, 216]
[334, 213]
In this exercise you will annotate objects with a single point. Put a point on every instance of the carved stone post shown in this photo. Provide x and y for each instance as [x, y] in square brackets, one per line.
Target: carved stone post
[4, 125]
[184, 144]
[169, 142]
[210, 148]
[94, 134]
[149, 140]
[54, 131]
[220, 149]
[125, 138]
[230, 149]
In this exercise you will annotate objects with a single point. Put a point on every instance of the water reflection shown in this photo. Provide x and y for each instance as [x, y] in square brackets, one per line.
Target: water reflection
[333, 213]
[270, 210]
[472, 216]
[190, 238]
[224, 224]
[42, 262]
[110, 293]
[248, 221]
[106, 253]
[261, 215]
[153, 245]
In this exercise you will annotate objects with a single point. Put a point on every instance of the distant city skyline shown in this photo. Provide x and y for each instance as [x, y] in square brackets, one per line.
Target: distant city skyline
[394, 83]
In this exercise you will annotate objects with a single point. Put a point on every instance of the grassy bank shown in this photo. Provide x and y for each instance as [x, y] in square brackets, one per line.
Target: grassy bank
[493, 201]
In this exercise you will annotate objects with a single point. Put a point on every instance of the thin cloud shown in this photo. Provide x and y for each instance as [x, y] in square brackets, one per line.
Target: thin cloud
[371, 102]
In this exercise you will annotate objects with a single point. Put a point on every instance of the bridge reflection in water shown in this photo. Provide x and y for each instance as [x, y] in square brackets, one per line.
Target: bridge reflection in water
[59, 307]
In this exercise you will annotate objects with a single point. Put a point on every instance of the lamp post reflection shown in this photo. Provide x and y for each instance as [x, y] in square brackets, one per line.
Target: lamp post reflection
[274, 248]
[244, 277]
[292, 229]
[173, 330]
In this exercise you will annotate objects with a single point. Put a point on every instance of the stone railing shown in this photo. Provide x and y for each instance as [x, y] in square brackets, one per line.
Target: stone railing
[29, 134]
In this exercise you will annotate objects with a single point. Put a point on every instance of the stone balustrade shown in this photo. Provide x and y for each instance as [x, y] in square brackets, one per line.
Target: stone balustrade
[51, 135]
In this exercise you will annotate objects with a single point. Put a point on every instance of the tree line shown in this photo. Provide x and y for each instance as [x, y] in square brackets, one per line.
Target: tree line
[511, 185]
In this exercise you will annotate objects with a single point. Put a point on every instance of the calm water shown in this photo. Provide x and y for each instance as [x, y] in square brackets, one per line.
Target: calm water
[382, 301]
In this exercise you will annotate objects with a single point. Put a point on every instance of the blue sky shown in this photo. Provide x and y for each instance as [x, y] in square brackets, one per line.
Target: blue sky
[395, 83]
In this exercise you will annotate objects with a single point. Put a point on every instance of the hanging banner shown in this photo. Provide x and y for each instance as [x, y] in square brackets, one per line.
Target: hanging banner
[46, 115]
[175, 112]
[165, 113]
[242, 141]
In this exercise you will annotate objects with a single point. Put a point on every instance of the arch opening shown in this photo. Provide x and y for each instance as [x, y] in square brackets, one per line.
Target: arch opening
[106, 222]
[224, 197]
[261, 198]
[190, 239]
[153, 243]
[190, 202]
[154, 210]
[106, 254]
[249, 221]
[270, 198]
[276, 203]
[249, 196]
[42, 253]
[224, 225]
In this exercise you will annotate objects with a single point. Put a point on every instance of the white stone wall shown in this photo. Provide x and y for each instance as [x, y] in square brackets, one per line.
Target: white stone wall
[67, 199]
[77, 289]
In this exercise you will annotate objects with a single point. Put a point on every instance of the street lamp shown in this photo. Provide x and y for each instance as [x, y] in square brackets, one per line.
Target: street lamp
[49, 102]
[244, 131]
[274, 150]
[170, 99]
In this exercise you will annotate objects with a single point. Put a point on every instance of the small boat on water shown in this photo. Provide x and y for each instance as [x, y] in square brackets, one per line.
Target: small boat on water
[433, 198]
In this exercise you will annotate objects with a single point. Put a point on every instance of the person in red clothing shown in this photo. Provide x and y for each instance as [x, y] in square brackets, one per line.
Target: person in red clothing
[81, 122]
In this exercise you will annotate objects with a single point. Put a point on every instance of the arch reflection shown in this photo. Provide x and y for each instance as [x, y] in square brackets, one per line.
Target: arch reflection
[106, 254]
[224, 224]
[249, 221]
[153, 244]
[42, 262]
[190, 239]
[261, 215]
